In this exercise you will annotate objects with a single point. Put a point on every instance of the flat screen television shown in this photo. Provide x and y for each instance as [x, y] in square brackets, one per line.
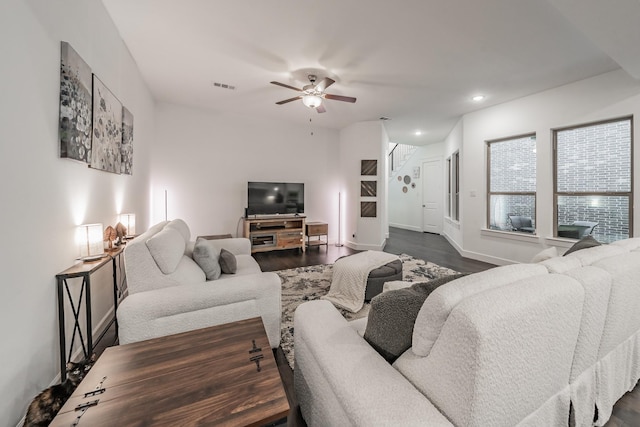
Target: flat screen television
[275, 198]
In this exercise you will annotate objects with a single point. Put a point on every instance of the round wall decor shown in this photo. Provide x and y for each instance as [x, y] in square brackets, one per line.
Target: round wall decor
[413, 185]
[405, 189]
[407, 179]
[399, 178]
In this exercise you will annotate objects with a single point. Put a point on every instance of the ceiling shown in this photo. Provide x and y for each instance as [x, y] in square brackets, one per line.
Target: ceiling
[417, 62]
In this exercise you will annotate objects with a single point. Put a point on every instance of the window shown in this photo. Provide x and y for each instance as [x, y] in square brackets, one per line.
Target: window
[511, 175]
[593, 180]
[453, 186]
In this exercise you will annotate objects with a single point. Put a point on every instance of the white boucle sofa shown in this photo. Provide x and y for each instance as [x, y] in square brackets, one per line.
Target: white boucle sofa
[163, 303]
[529, 345]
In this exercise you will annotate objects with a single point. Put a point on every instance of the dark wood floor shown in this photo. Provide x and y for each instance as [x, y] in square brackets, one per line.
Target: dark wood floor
[430, 247]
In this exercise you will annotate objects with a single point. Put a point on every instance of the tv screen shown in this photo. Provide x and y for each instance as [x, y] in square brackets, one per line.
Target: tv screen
[273, 198]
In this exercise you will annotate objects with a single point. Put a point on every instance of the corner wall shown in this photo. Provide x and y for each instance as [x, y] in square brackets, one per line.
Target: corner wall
[43, 196]
[363, 141]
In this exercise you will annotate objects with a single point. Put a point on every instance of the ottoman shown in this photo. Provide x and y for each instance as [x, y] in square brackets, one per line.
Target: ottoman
[378, 277]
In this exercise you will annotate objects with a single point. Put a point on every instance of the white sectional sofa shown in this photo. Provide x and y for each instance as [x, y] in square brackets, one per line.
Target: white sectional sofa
[530, 345]
[180, 298]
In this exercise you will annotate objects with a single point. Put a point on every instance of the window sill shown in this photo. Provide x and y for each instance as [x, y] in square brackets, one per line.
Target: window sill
[560, 241]
[511, 235]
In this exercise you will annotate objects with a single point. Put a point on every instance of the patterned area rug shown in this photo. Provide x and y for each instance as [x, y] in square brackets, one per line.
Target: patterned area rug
[310, 283]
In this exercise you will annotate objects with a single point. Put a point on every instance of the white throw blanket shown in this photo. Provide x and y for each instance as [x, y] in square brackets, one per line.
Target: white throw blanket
[350, 274]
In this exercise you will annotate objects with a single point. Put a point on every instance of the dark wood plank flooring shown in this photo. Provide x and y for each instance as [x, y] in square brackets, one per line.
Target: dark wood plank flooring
[430, 247]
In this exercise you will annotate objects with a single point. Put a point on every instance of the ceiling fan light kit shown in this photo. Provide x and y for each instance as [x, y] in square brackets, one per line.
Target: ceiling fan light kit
[311, 101]
[313, 94]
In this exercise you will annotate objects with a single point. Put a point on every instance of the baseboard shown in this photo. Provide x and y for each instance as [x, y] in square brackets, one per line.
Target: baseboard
[476, 255]
[406, 227]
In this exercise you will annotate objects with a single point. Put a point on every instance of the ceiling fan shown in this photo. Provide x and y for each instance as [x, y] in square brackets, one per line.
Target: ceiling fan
[313, 94]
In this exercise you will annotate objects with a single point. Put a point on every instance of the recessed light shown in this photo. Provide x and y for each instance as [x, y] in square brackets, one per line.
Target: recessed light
[478, 98]
[418, 132]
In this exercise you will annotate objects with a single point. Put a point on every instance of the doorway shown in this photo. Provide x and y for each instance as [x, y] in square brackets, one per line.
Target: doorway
[432, 195]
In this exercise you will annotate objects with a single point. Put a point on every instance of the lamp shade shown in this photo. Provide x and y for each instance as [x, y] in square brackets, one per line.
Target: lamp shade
[90, 241]
[311, 101]
[129, 221]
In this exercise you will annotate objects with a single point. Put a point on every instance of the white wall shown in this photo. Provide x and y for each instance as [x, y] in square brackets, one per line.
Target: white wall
[405, 209]
[610, 95]
[204, 160]
[363, 141]
[43, 196]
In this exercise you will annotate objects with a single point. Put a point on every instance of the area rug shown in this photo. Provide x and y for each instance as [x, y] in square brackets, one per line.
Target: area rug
[310, 283]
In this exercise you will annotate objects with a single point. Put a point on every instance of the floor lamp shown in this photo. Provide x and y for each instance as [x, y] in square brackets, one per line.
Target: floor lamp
[339, 243]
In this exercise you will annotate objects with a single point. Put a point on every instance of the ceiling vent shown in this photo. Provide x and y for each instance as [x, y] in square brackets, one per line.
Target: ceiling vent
[224, 86]
[384, 118]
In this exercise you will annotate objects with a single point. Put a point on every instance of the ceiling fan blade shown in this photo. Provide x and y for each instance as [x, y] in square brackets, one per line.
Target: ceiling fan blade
[287, 86]
[325, 83]
[320, 109]
[339, 97]
[289, 100]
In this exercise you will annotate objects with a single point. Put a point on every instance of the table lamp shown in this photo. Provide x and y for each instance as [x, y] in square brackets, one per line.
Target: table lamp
[129, 221]
[90, 241]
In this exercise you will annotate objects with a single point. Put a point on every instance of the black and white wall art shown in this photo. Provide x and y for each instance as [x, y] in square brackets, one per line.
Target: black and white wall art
[126, 149]
[107, 129]
[75, 105]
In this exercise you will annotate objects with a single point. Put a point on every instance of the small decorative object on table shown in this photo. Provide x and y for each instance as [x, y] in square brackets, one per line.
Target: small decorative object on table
[110, 236]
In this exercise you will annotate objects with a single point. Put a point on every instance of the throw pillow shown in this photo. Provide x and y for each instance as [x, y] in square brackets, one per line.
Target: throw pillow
[584, 243]
[206, 255]
[228, 262]
[393, 314]
[167, 248]
[545, 254]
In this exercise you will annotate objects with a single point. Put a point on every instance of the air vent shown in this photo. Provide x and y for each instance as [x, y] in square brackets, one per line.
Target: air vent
[224, 86]
[384, 118]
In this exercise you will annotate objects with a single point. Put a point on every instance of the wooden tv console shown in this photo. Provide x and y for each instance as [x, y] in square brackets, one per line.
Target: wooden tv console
[271, 233]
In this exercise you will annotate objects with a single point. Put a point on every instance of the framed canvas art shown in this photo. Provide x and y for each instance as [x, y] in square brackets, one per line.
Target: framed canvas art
[369, 167]
[368, 209]
[368, 188]
[107, 129]
[74, 130]
[126, 149]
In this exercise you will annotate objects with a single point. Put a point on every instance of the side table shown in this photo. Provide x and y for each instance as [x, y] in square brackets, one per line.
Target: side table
[84, 270]
[317, 230]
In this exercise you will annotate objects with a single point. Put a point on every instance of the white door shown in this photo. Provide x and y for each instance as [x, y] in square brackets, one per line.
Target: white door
[432, 194]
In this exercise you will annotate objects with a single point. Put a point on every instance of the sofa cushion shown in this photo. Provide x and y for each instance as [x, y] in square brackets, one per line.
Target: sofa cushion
[166, 247]
[584, 243]
[206, 255]
[545, 254]
[393, 314]
[188, 271]
[228, 262]
[181, 227]
[442, 301]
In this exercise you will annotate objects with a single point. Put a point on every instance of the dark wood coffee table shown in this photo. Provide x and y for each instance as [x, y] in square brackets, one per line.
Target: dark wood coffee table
[211, 376]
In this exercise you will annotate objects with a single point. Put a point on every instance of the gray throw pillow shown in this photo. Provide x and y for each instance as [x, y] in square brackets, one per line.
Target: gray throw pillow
[584, 243]
[393, 314]
[228, 262]
[206, 255]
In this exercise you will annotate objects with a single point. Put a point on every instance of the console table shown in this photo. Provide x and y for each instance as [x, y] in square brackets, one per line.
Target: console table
[84, 270]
